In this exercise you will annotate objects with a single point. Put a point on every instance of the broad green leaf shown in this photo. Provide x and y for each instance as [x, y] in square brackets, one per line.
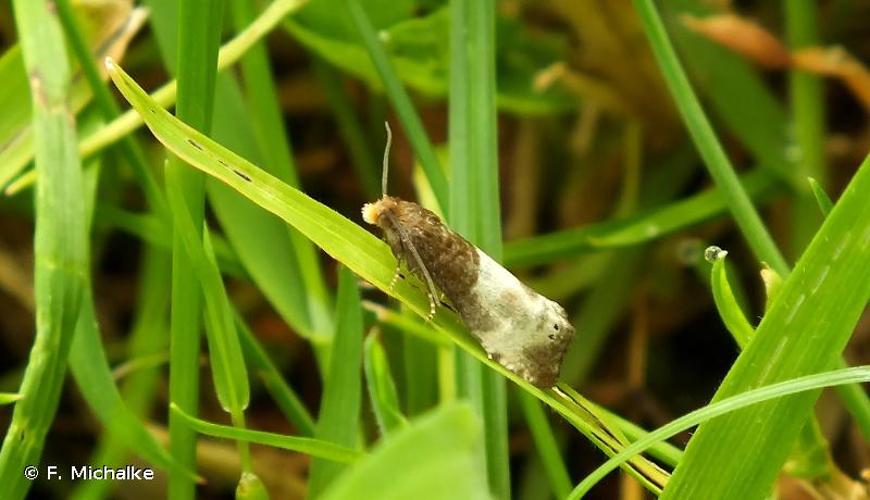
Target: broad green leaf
[439, 456]
[314, 447]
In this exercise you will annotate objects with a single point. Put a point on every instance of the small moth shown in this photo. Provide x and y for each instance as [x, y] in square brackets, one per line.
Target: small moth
[522, 330]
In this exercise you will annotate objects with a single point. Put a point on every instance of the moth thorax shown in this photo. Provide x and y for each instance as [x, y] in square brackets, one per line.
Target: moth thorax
[372, 212]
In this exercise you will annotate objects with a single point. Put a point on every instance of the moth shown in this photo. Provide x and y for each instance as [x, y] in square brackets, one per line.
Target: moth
[519, 328]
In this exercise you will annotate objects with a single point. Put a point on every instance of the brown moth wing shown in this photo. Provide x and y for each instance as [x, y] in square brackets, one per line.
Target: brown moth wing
[452, 262]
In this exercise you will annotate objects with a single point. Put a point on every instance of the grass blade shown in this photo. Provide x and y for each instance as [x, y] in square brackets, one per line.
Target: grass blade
[60, 245]
[315, 447]
[644, 226]
[548, 448]
[401, 101]
[338, 419]
[197, 42]
[474, 201]
[711, 151]
[9, 397]
[726, 303]
[382, 388]
[853, 375]
[287, 400]
[804, 331]
[822, 199]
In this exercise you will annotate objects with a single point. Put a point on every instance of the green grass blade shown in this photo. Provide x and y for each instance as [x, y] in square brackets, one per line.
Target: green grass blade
[94, 379]
[808, 115]
[853, 375]
[382, 388]
[268, 125]
[757, 119]
[318, 448]
[9, 397]
[261, 366]
[546, 445]
[149, 339]
[726, 303]
[166, 95]
[363, 253]
[350, 129]
[131, 151]
[60, 244]
[711, 151]
[439, 456]
[474, 202]
[822, 199]
[338, 419]
[644, 226]
[400, 100]
[198, 37]
[804, 331]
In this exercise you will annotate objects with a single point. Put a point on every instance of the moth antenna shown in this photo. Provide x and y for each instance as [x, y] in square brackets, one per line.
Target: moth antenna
[406, 240]
[385, 168]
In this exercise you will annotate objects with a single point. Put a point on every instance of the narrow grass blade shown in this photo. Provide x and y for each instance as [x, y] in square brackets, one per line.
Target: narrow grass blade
[726, 303]
[808, 383]
[274, 143]
[166, 95]
[198, 32]
[806, 95]
[804, 331]
[338, 419]
[758, 119]
[349, 128]
[315, 447]
[711, 151]
[474, 209]
[261, 366]
[822, 198]
[60, 243]
[363, 253]
[644, 226]
[149, 338]
[382, 388]
[438, 456]
[9, 397]
[546, 445]
[400, 100]
[94, 379]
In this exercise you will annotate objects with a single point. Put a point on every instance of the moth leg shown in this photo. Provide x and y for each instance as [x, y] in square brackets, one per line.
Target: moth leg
[396, 275]
[427, 277]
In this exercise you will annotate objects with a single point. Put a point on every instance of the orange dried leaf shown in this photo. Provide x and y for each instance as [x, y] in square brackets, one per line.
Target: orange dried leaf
[741, 36]
[836, 62]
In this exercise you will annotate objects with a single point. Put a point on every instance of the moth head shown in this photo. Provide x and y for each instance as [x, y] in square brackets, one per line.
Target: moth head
[373, 213]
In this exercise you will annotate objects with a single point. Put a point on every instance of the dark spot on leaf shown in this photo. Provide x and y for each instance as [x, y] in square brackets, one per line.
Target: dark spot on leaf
[242, 175]
[194, 144]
